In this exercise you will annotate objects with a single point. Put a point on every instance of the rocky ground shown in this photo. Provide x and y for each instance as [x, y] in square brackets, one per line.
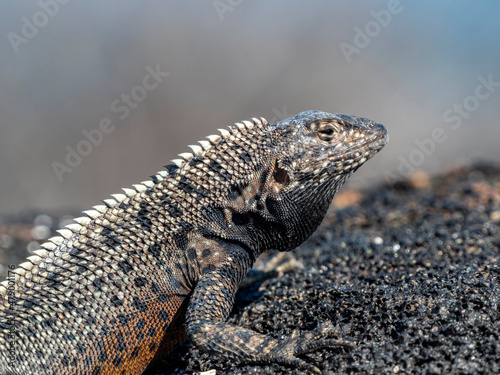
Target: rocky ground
[409, 272]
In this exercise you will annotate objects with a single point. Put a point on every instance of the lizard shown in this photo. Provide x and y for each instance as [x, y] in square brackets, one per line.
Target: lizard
[161, 263]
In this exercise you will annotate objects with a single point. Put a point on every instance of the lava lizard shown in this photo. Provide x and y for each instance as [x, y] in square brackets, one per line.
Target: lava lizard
[162, 262]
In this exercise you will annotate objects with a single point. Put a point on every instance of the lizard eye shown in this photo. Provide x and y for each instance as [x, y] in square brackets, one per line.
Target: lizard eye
[326, 131]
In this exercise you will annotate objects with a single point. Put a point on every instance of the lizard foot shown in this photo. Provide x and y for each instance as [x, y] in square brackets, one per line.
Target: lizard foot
[298, 343]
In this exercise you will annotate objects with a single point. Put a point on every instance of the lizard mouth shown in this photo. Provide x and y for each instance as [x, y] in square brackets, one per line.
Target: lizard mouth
[375, 142]
[356, 155]
[371, 146]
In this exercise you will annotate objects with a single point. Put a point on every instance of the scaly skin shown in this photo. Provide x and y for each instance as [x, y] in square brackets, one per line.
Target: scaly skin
[162, 263]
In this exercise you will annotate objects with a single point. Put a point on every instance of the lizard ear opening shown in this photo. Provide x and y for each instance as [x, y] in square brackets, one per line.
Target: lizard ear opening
[281, 176]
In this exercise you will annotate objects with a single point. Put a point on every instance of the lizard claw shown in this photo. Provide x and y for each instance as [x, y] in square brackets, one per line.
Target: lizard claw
[321, 337]
[298, 343]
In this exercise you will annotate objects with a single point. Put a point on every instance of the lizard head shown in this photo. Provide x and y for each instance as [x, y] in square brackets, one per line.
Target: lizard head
[281, 177]
[315, 154]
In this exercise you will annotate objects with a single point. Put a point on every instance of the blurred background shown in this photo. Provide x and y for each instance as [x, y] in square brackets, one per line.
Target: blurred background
[95, 96]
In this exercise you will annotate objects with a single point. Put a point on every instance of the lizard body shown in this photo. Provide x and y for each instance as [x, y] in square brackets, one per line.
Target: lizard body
[162, 263]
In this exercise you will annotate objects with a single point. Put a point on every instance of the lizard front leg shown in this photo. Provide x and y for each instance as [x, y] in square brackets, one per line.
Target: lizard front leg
[210, 305]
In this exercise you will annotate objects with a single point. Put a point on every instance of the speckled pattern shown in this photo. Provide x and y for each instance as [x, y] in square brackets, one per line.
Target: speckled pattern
[138, 275]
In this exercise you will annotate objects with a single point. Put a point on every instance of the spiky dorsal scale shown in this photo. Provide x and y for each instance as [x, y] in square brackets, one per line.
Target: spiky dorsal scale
[179, 162]
[75, 228]
[129, 192]
[204, 144]
[197, 150]
[237, 130]
[186, 156]
[109, 202]
[140, 188]
[224, 132]
[100, 208]
[240, 126]
[41, 252]
[65, 233]
[57, 240]
[50, 245]
[249, 125]
[92, 214]
[214, 138]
